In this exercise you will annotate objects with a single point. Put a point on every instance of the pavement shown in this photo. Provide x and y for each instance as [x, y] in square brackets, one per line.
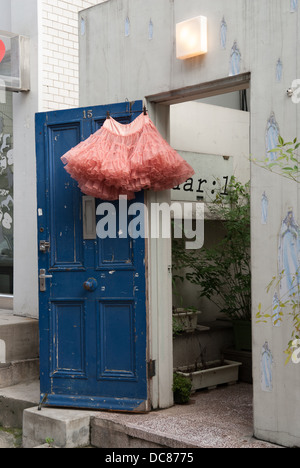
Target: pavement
[218, 418]
[10, 438]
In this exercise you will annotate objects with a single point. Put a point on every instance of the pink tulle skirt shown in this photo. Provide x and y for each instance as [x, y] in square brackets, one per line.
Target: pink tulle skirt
[123, 159]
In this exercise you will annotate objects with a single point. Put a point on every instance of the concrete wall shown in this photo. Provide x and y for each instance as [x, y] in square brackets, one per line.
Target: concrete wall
[5, 19]
[115, 66]
[25, 21]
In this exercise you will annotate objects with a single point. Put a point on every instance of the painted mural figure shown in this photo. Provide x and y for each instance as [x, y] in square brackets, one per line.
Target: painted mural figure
[235, 60]
[127, 27]
[151, 30]
[279, 70]
[272, 137]
[276, 309]
[223, 33]
[288, 261]
[264, 208]
[294, 6]
[266, 368]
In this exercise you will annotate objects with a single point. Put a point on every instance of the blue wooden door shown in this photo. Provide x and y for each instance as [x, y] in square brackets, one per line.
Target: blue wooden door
[92, 301]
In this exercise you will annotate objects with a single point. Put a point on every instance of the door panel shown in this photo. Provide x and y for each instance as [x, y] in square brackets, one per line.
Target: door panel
[92, 342]
[65, 218]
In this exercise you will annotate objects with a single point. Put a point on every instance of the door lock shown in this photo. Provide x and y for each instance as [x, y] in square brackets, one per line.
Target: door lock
[44, 246]
[43, 278]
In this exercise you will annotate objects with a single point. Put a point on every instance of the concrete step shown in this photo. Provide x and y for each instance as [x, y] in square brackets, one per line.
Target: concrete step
[16, 372]
[203, 423]
[111, 434]
[19, 349]
[65, 428]
[19, 337]
[14, 400]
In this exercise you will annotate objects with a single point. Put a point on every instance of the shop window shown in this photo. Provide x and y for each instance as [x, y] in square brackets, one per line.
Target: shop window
[6, 193]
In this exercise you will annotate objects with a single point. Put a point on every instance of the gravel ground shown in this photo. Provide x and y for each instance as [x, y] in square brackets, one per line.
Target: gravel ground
[10, 438]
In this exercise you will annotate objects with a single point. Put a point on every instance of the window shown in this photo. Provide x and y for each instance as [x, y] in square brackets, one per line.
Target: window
[6, 193]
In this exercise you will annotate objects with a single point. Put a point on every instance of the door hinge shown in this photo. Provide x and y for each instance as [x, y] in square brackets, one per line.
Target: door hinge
[151, 369]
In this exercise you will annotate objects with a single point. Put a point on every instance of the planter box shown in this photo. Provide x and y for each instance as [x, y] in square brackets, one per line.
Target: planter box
[186, 319]
[220, 374]
[245, 357]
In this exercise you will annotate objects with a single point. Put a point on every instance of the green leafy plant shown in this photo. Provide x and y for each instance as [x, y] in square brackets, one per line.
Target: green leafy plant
[182, 388]
[283, 160]
[286, 165]
[223, 271]
[177, 327]
[49, 441]
[289, 305]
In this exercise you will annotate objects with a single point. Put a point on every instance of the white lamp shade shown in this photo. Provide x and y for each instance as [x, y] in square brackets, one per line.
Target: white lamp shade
[191, 38]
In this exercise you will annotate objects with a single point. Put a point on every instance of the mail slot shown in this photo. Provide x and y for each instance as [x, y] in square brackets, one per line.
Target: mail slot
[89, 218]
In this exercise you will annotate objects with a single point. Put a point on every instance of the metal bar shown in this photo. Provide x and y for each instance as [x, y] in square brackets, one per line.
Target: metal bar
[203, 90]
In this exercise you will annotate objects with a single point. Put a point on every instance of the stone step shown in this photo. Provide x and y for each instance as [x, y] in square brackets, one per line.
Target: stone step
[19, 337]
[65, 428]
[19, 349]
[201, 424]
[111, 434]
[16, 372]
[14, 400]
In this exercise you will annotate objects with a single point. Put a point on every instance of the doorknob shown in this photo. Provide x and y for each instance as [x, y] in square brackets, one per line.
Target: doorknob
[43, 278]
[90, 285]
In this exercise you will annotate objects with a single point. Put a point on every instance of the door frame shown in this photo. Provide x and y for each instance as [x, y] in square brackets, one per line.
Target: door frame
[159, 250]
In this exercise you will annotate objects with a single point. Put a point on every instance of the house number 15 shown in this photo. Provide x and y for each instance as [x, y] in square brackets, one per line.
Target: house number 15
[87, 114]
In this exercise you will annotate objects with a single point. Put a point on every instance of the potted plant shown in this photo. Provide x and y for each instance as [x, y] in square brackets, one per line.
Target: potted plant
[182, 388]
[223, 271]
[203, 374]
[185, 319]
[213, 374]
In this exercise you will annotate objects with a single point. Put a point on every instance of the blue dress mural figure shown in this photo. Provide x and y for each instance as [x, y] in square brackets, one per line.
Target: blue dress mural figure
[223, 33]
[235, 60]
[294, 6]
[127, 27]
[266, 368]
[279, 70]
[151, 30]
[288, 256]
[276, 309]
[264, 208]
[272, 137]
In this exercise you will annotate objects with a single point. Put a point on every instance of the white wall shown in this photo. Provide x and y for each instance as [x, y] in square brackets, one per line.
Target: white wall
[203, 128]
[114, 67]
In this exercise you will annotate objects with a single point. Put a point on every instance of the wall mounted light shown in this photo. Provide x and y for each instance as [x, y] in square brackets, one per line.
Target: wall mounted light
[191, 38]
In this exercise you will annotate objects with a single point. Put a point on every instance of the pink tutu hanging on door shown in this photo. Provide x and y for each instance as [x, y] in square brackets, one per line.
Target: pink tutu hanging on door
[124, 159]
